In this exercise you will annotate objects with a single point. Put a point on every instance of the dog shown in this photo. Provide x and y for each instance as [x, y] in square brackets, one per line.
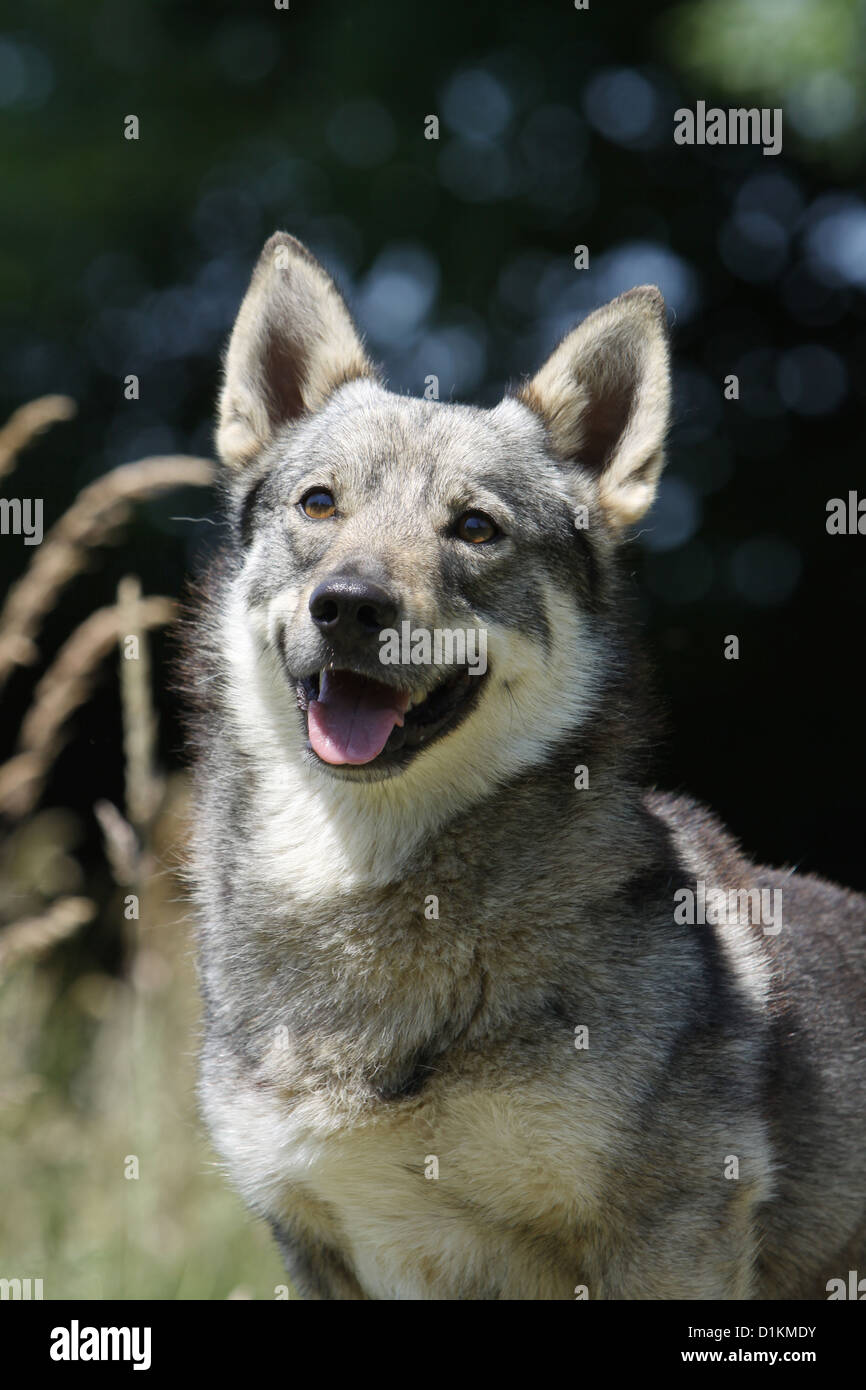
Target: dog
[485, 1018]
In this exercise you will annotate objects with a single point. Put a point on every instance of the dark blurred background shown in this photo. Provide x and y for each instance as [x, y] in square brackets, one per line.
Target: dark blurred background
[556, 129]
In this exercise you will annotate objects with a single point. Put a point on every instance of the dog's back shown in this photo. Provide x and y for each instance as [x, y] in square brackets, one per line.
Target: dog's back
[814, 1229]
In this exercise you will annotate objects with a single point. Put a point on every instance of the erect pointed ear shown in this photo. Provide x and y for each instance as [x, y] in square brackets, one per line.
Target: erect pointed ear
[604, 395]
[292, 344]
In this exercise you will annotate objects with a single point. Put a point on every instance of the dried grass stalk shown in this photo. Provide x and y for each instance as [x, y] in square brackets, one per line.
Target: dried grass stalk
[121, 843]
[144, 788]
[33, 936]
[97, 511]
[27, 423]
[66, 685]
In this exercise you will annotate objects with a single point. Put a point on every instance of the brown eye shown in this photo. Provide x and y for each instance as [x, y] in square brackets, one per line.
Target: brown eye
[318, 504]
[476, 528]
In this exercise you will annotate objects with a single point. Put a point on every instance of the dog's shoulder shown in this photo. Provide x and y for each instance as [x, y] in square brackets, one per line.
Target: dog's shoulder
[699, 836]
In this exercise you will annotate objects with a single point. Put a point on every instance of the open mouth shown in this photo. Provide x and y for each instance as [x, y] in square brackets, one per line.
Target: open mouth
[355, 721]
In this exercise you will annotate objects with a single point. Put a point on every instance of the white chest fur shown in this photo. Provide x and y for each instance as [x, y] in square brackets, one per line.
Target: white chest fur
[423, 1199]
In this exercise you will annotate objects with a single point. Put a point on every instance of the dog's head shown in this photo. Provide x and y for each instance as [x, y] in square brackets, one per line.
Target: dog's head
[425, 582]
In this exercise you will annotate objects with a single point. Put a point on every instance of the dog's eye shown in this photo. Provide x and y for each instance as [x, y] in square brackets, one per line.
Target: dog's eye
[318, 504]
[476, 528]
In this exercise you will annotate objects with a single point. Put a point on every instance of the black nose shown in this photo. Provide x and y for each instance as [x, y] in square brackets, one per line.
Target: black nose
[352, 606]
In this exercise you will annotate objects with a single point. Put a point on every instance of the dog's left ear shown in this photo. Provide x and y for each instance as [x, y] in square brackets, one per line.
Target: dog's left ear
[293, 343]
[604, 396]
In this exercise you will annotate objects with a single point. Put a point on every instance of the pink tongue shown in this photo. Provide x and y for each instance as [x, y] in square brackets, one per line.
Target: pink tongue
[352, 718]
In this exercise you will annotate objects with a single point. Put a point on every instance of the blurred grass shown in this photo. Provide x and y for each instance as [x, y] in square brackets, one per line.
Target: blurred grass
[99, 1068]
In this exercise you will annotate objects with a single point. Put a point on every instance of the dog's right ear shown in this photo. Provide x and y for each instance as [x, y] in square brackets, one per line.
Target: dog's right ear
[293, 343]
[604, 396]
